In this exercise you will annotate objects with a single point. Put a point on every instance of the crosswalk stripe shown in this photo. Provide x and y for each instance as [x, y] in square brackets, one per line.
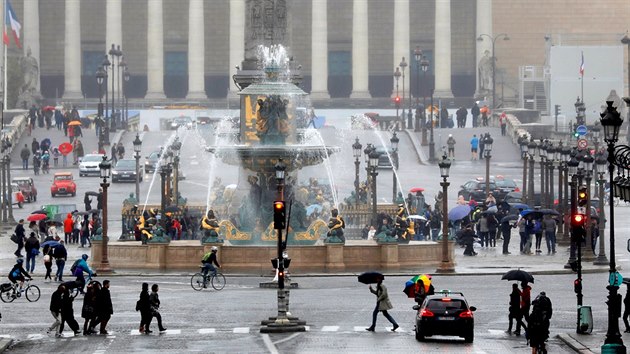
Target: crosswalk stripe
[240, 330]
[173, 331]
[307, 328]
[207, 331]
[330, 328]
[359, 328]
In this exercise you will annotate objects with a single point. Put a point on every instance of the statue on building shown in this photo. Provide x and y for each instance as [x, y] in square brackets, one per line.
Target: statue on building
[29, 90]
[485, 73]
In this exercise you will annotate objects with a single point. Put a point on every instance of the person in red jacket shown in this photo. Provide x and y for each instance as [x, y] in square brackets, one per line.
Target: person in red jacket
[68, 225]
[177, 229]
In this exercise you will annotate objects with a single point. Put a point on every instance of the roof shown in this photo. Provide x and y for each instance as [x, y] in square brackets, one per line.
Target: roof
[63, 173]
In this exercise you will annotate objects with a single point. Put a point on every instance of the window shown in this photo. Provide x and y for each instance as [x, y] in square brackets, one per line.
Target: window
[176, 64]
[340, 63]
[92, 61]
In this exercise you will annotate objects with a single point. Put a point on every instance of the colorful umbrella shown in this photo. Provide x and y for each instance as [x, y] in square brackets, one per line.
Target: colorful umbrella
[65, 148]
[48, 108]
[37, 217]
[411, 285]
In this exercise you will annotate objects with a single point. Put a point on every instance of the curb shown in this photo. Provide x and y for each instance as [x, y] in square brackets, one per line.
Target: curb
[574, 343]
[422, 159]
[5, 343]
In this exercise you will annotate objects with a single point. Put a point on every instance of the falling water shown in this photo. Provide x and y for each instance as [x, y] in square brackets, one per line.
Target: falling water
[223, 139]
[310, 133]
[169, 141]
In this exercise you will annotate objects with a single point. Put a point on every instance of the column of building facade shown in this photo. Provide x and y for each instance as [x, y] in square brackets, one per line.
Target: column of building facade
[31, 34]
[443, 49]
[113, 24]
[319, 50]
[484, 26]
[360, 46]
[237, 41]
[196, 51]
[155, 50]
[401, 43]
[72, 50]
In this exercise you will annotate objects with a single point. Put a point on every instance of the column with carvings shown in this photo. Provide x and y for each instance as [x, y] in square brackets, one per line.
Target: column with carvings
[155, 50]
[319, 50]
[401, 38]
[360, 46]
[72, 50]
[484, 26]
[443, 49]
[237, 41]
[196, 51]
[31, 36]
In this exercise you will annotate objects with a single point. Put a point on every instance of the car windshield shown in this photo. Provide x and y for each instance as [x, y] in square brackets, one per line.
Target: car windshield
[482, 185]
[125, 164]
[63, 178]
[22, 182]
[92, 158]
[439, 305]
[154, 156]
[183, 120]
[506, 183]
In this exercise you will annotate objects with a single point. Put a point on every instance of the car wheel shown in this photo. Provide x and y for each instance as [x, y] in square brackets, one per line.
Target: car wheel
[470, 337]
[419, 335]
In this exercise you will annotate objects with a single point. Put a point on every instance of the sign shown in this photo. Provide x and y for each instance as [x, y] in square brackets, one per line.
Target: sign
[615, 279]
[581, 130]
[582, 143]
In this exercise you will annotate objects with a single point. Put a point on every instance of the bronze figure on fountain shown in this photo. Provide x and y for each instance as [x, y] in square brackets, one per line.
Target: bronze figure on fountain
[336, 224]
[272, 120]
[210, 227]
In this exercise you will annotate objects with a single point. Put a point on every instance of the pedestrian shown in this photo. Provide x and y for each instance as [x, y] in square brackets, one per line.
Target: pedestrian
[48, 264]
[114, 154]
[538, 231]
[506, 232]
[483, 230]
[56, 303]
[67, 314]
[461, 114]
[626, 308]
[474, 145]
[76, 228]
[61, 254]
[34, 146]
[485, 112]
[68, 226]
[31, 246]
[503, 123]
[526, 300]
[382, 305]
[549, 225]
[538, 323]
[52, 231]
[120, 150]
[451, 146]
[515, 310]
[493, 225]
[154, 299]
[25, 155]
[475, 111]
[435, 222]
[88, 311]
[85, 232]
[482, 144]
[70, 133]
[468, 238]
[55, 154]
[144, 306]
[58, 119]
[104, 308]
[99, 200]
[594, 233]
[20, 234]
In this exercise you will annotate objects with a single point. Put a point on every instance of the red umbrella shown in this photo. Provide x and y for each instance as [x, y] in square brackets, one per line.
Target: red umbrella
[416, 189]
[37, 217]
[65, 148]
[49, 108]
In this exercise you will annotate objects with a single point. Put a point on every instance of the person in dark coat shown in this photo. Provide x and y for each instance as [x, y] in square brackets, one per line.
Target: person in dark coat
[20, 233]
[626, 309]
[61, 254]
[475, 112]
[538, 324]
[493, 224]
[154, 299]
[99, 199]
[55, 309]
[515, 310]
[31, 246]
[468, 238]
[506, 231]
[144, 306]
[104, 308]
[67, 313]
[35, 146]
[461, 117]
[88, 311]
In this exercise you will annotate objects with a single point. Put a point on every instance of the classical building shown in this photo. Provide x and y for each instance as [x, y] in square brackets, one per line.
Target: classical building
[188, 50]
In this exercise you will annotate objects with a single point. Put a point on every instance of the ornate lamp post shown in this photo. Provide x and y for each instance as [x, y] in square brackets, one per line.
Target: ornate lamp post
[100, 77]
[417, 55]
[531, 147]
[487, 152]
[105, 167]
[424, 64]
[542, 153]
[122, 65]
[431, 141]
[176, 148]
[397, 75]
[356, 152]
[524, 148]
[126, 77]
[446, 266]
[137, 148]
[600, 171]
[394, 144]
[373, 165]
[551, 160]
[566, 157]
[114, 54]
[366, 152]
[611, 121]
[587, 159]
[494, 61]
[403, 65]
[105, 64]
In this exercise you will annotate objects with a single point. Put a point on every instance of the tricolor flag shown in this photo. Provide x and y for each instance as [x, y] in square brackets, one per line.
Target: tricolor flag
[10, 19]
[582, 66]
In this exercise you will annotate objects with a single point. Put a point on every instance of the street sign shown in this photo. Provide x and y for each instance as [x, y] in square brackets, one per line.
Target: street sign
[582, 143]
[581, 130]
[615, 279]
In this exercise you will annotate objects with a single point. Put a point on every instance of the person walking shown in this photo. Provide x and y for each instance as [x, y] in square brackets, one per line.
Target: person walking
[515, 310]
[474, 145]
[20, 234]
[626, 309]
[68, 226]
[506, 232]
[56, 304]
[538, 325]
[67, 314]
[34, 146]
[382, 305]
[154, 300]
[475, 111]
[493, 224]
[484, 230]
[61, 254]
[549, 225]
[88, 311]
[31, 246]
[104, 308]
[144, 306]
[526, 300]
[48, 264]
[451, 146]
[503, 123]
[25, 155]
[468, 238]
[538, 232]
[114, 154]
[461, 114]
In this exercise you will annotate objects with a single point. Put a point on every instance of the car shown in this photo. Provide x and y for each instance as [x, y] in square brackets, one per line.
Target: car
[383, 157]
[183, 121]
[63, 183]
[150, 162]
[88, 165]
[27, 186]
[445, 313]
[17, 197]
[125, 170]
[505, 185]
[476, 189]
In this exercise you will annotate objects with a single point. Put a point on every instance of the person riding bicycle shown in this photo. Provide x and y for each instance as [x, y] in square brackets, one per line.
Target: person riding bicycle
[45, 162]
[18, 273]
[209, 260]
[80, 266]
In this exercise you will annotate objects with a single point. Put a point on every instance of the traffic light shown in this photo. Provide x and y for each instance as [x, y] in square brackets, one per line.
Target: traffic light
[582, 197]
[279, 215]
[577, 286]
[578, 227]
[557, 110]
[397, 101]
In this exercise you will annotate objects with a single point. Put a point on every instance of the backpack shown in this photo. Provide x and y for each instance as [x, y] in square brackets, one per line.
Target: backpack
[74, 266]
[537, 227]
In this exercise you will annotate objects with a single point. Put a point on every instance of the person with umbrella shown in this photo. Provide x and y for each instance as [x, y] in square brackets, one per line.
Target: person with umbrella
[382, 305]
[538, 323]
[468, 238]
[515, 310]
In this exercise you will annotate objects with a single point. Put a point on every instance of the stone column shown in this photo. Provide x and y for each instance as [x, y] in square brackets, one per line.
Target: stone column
[484, 26]
[237, 41]
[196, 51]
[31, 35]
[319, 50]
[113, 24]
[155, 50]
[401, 45]
[360, 46]
[443, 49]
[72, 51]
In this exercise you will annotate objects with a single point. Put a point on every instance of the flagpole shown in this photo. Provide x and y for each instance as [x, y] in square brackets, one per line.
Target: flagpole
[4, 67]
[582, 77]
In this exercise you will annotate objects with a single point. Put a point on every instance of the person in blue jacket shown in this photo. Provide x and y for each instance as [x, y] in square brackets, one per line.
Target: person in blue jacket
[81, 267]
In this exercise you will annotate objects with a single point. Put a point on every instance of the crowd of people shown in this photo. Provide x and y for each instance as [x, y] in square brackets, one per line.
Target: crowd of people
[537, 318]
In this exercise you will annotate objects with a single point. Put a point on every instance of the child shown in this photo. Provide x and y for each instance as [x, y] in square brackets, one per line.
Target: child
[56, 155]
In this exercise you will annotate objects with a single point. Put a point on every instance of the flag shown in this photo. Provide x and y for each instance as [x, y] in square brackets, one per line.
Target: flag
[582, 66]
[10, 19]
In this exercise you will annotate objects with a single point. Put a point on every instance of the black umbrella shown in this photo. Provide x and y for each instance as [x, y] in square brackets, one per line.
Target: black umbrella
[370, 277]
[549, 212]
[519, 275]
[89, 212]
[92, 194]
[509, 218]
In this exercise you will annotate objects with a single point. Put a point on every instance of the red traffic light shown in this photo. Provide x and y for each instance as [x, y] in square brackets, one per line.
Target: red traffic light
[397, 99]
[578, 218]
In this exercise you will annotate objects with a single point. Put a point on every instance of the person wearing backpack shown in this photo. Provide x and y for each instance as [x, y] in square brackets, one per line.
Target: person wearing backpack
[538, 231]
[32, 250]
[77, 269]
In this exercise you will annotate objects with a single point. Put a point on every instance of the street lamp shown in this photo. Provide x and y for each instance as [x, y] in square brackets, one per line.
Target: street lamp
[126, 77]
[566, 157]
[105, 64]
[137, 148]
[600, 170]
[121, 65]
[626, 40]
[424, 64]
[531, 147]
[176, 148]
[403, 65]
[551, 160]
[611, 121]
[494, 61]
[105, 168]
[100, 78]
[356, 152]
[446, 266]
[588, 160]
[487, 151]
[524, 148]
[397, 75]
[417, 55]
[373, 165]
[542, 153]
[394, 144]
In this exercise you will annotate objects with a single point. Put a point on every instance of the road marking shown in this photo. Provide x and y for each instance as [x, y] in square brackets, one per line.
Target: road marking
[207, 331]
[359, 328]
[287, 338]
[496, 332]
[307, 328]
[330, 328]
[270, 346]
[173, 331]
[240, 330]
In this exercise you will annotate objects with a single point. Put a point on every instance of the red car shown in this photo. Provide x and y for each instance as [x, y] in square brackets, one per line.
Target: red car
[63, 183]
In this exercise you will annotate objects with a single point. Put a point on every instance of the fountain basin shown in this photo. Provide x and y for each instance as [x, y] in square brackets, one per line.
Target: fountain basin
[264, 157]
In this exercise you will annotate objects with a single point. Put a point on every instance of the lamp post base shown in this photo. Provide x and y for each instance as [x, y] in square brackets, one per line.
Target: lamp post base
[601, 260]
[613, 348]
[104, 268]
[284, 322]
[446, 267]
[432, 151]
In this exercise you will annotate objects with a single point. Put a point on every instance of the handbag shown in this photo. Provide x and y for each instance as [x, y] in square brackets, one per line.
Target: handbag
[138, 305]
[14, 238]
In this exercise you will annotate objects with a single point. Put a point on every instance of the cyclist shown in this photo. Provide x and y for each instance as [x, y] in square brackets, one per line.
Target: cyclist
[80, 267]
[18, 273]
[209, 260]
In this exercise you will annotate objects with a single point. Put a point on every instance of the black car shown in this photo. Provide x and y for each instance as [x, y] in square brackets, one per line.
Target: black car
[476, 189]
[151, 161]
[125, 170]
[383, 157]
[445, 313]
[505, 186]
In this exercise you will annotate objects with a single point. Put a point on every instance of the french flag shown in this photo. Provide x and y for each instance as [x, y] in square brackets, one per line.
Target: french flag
[10, 19]
[582, 66]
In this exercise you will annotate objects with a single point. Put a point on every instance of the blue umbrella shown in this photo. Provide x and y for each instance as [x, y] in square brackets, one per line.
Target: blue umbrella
[45, 144]
[313, 208]
[519, 206]
[50, 243]
[537, 214]
[459, 212]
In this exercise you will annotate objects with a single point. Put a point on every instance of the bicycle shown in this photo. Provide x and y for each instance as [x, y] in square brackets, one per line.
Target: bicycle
[199, 281]
[75, 288]
[11, 291]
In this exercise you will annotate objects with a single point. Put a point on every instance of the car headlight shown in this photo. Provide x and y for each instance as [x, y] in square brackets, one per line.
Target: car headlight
[114, 173]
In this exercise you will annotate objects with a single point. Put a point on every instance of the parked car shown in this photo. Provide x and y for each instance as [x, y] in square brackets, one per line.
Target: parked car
[125, 170]
[150, 162]
[505, 186]
[88, 165]
[476, 189]
[16, 199]
[445, 313]
[63, 183]
[183, 121]
[27, 186]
